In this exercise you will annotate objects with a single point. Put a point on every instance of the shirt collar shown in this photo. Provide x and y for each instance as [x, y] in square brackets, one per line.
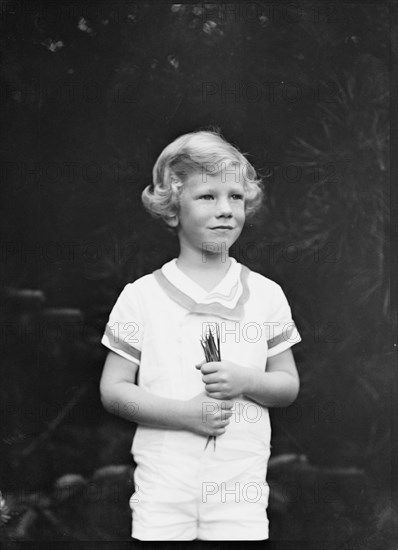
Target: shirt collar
[225, 300]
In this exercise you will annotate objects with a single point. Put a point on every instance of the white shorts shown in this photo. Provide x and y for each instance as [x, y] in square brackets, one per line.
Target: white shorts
[184, 492]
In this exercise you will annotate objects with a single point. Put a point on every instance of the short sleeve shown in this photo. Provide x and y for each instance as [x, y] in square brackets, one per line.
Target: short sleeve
[282, 331]
[124, 330]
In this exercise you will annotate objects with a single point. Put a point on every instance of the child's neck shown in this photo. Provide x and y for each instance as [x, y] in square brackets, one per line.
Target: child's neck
[207, 271]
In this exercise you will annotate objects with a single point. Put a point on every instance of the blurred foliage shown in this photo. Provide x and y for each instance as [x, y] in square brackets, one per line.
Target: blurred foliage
[90, 94]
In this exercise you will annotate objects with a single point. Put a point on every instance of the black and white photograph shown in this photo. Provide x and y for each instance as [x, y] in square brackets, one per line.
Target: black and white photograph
[198, 318]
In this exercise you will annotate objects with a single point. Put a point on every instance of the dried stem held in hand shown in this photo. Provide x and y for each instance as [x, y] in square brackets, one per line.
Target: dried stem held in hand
[212, 353]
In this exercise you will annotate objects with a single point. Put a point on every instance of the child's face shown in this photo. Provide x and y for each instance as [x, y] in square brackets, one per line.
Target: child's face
[212, 212]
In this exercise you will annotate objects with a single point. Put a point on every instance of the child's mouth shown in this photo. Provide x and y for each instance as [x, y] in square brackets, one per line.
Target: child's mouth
[222, 228]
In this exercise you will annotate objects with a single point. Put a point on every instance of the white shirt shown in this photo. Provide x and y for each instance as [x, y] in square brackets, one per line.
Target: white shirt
[158, 320]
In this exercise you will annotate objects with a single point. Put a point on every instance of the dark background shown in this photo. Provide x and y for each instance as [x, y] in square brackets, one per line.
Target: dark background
[90, 95]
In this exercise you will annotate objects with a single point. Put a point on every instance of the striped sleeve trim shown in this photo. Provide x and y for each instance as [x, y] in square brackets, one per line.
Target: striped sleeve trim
[117, 344]
[284, 337]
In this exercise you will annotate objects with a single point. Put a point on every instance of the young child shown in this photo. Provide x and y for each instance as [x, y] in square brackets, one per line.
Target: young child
[155, 373]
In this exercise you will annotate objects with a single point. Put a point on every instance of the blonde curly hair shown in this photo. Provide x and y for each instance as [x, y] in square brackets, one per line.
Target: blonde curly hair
[201, 152]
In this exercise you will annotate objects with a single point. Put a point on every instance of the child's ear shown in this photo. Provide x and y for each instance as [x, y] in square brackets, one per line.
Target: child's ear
[172, 221]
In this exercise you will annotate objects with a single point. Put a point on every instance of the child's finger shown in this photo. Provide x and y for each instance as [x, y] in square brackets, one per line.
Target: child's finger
[210, 378]
[199, 365]
[216, 395]
[213, 387]
[208, 368]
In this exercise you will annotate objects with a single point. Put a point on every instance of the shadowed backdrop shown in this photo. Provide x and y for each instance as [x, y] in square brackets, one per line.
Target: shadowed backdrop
[90, 95]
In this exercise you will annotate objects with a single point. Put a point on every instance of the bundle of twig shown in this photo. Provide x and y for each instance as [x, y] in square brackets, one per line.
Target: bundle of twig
[212, 353]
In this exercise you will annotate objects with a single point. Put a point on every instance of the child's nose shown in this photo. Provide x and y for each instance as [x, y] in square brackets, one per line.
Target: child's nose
[223, 207]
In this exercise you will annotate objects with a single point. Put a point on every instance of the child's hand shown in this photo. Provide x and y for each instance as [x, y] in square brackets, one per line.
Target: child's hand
[223, 379]
[207, 416]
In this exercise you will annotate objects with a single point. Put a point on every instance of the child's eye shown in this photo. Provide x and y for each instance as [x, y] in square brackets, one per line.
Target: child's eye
[237, 196]
[206, 197]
